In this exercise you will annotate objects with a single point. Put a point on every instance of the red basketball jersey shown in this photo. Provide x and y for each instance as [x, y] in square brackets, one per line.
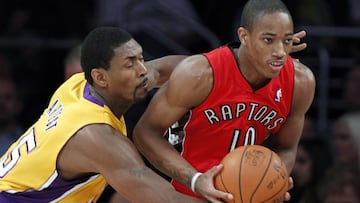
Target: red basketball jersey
[234, 114]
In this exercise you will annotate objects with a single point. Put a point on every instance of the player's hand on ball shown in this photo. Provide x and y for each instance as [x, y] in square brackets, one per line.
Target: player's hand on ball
[291, 185]
[205, 186]
[253, 173]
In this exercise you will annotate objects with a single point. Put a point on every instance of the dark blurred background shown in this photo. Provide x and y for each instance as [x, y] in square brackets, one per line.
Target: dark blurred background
[39, 38]
[35, 37]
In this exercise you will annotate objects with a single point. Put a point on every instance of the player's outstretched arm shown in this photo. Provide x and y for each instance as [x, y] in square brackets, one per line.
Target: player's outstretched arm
[100, 149]
[161, 68]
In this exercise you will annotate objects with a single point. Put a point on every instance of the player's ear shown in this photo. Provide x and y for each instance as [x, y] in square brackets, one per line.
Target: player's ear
[99, 76]
[243, 35]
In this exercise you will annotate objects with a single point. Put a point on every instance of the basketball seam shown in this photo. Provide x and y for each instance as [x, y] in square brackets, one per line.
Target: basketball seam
[241, 160]
[223, 184]
[264, 174]
[277, 191]
[259, 181]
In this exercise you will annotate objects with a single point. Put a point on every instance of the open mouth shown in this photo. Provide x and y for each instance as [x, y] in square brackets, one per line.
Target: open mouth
[276, 65]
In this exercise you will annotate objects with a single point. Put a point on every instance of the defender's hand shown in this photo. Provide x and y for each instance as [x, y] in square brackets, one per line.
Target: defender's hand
[297, 45]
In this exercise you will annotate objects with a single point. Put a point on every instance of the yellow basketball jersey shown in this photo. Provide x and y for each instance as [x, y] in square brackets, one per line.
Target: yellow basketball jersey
[28, 169]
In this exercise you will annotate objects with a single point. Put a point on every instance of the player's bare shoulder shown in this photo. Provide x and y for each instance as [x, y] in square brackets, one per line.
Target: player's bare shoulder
[304, 85]
[303, 75]
[193, 66]
[193, 72]
[192, 80]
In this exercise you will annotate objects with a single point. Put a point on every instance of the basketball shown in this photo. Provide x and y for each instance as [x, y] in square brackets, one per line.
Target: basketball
[253, 174]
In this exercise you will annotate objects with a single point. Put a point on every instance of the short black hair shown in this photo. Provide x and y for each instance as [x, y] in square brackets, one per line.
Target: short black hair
[253, 9]
[97, 49]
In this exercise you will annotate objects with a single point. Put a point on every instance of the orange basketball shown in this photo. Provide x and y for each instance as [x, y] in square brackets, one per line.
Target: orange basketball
[253, 174]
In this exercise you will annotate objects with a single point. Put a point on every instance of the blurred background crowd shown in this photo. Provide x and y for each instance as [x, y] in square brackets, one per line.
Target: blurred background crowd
[40, 47]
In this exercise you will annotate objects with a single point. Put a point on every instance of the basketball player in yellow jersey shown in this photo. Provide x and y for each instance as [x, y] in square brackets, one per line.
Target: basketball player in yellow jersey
[78, 145]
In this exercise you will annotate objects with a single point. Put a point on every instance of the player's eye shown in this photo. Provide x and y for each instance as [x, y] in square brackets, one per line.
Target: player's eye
[141, 58]
[130, 64]
[288, 41]
[267, 40]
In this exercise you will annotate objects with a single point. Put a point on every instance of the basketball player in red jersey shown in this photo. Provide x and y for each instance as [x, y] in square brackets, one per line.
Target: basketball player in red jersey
[237, 95]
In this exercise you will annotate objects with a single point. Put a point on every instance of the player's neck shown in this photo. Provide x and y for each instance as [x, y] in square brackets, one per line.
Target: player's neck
[248, 70]
[117, 107]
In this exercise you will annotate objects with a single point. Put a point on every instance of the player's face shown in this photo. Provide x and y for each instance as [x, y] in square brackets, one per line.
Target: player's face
[127, 73]
[269, 43]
